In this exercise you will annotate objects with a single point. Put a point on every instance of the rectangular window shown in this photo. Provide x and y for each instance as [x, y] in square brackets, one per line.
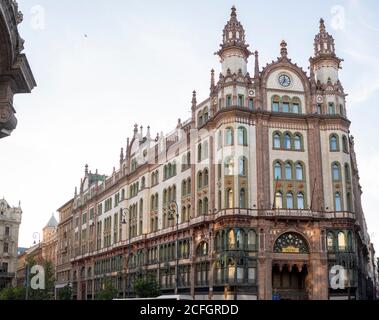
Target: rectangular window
[91, 213]
[228, 100]
[275, 106]
[331, 108]
[7, 231]
[241, 100]
[6, 247]
[84, 218]
[286, 107]
[296, 108]
[319, 109]
[251, 104]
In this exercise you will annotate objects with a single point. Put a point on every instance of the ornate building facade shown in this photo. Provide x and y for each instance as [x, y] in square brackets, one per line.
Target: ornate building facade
[10, 219]
[256, 196]
[15, 73]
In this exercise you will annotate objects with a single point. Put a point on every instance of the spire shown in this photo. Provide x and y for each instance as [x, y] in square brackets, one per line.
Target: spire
[283, 49]
[148, 135]
[212, 80]
[122, 155]
[194, 101]
[324, 42]
[135, 130]
[234, 35]
[256, 68]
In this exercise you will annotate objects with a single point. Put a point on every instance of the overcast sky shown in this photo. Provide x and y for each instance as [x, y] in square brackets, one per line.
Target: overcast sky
[103, 65]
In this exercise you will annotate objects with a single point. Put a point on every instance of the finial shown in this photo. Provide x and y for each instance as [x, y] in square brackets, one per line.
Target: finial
[194, 101]
[76, 191]
[283, 49]
[322, 25]
[135, 129]
[212, 79]
[234, 12]
[122, 155]
[256, 69]
[148, 132]
[141, 131]
[86, 169]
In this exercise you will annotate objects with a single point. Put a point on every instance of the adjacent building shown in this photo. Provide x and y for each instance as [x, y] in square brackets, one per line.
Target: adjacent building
[64, 247]
[15, 73]
[255, 196]
[10, 219]
[34, 254]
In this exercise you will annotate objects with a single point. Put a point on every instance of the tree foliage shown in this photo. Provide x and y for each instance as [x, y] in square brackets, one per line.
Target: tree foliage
[65, 293]
[146, 287]
[108, 292]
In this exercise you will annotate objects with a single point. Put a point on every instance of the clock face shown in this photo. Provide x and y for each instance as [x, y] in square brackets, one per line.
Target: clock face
[284, 80]
[320, 99]
[251, 93]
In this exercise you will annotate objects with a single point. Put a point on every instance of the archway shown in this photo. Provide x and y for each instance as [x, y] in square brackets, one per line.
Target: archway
[290, 268]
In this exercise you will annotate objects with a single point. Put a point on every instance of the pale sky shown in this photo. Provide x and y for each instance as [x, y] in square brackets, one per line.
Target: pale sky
[103, 65]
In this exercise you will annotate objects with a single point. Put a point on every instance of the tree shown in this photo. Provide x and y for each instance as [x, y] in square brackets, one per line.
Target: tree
[48, 292]
[108, 292]
[13, 294]
[65, 293]
[146, 287]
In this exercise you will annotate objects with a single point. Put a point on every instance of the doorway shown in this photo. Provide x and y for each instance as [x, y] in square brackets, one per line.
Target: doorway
[289, 283]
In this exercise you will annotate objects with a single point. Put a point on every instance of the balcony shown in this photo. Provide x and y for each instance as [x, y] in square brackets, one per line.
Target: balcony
[7, 275]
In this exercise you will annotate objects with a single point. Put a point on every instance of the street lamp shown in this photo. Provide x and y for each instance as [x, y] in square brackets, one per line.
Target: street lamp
[124, 212]
[35, 235]
[174, 213]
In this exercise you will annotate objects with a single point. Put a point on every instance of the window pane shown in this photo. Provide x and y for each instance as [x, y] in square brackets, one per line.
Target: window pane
[275, 106]
[278, 171]
[337, 200]
[299, 172]
[300, 201]
[288, 171]
[297, 142]
[286, 107]
[277, 141]
[289, 201]
[296, 108]
[287, 141]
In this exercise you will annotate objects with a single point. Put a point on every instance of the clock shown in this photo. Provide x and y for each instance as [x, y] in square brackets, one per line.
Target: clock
[284, 80]
[320, 99]
[251, 93]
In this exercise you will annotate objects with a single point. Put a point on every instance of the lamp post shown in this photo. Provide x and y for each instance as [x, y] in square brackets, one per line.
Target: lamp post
[124, 212]
[35, 235]
[174, 212]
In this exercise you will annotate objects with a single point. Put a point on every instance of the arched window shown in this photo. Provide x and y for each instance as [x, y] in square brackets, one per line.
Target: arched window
[331, 108]
[242, 198]
[285, 104]
[229, 137]
[170, 171]
[242, 136]
[330, 242]
[275, 104]
[156, 201]
[288, 170]
[229, 166]
[231, 239]
[202, 249]
[219, 139]
[165, 199]
[252, 240]
[200, 180]
[206, 178]
[239, 240]
[341, 241]
[184, 188]
[296, 105]
[350, 241]
[242, 166]
[205, 150]
[278, 200]
[349, 203]
[278, 170]
[297, 142]
[229, 198]
[205, 115]
[345, 144]
[189, 191]
[336, 172]
[299, 172]
[152, 203]
[342, 110]
[289, 198]
[300, 201]
[200, 208]
[277, 142]
[337, 202]
[219, 200]
[184, 214]
[347, 173]
[333, 143]
[287, 141]
[205, 206]
[199, 152]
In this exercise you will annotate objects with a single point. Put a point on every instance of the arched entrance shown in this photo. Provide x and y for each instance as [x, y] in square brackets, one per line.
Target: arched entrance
[290, 268]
